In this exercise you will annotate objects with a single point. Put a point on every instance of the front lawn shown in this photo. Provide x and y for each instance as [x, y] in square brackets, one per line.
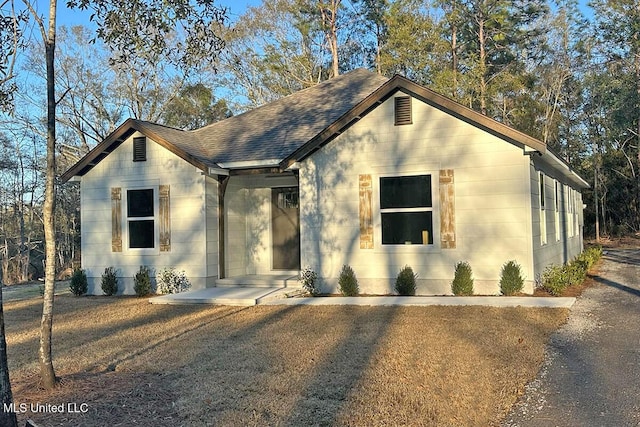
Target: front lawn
[125, 362]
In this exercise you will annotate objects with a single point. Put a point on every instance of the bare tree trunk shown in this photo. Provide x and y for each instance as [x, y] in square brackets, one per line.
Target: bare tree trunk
[454, 60]
[329, 15]
[483, 63]
[47, 373]
[595, 199]
[7, 418]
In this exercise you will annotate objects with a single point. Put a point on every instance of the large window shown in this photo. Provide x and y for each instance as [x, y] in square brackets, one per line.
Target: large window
[140, 219]
[406, 209]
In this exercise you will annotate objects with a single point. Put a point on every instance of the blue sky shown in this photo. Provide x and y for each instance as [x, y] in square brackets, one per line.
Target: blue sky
[236, 7]
[76, 17]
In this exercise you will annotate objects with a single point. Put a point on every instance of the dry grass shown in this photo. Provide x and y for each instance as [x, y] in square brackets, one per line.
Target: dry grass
[134, 363]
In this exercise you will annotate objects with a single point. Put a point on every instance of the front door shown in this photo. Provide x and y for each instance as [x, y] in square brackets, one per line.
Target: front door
[285, 228]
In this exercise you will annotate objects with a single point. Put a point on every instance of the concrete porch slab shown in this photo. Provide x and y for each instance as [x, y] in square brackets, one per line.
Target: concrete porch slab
[239, 295]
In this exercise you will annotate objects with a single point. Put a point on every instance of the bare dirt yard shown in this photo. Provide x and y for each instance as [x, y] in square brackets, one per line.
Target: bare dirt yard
[124, 362]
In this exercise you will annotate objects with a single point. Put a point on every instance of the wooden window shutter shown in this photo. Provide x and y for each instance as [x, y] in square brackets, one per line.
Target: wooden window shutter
[116, 219]
[164, 218]
[447, 210]
[140, 149]
[403, 114]
[366, 214]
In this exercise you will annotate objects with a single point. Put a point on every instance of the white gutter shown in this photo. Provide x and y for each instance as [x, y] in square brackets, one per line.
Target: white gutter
[251, 164]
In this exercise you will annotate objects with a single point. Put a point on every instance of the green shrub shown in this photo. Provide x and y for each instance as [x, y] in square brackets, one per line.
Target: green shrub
[591, 255]
[308, 279]
[511, 280]
[462, 280]
[142, 282]
[109, 281]
[554, 279]
[576, 272]
[78, 284]
[347, 282]
[406, 281]
[170, 281]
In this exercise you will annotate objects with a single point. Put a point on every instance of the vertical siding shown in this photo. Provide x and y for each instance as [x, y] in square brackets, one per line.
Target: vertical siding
[188, 244]
[491, 201]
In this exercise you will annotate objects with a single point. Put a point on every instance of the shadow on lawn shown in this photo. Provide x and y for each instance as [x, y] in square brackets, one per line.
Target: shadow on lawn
[256, 378]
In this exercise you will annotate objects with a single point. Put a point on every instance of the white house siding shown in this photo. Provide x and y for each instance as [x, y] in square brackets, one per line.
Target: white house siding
[187, 213]
[492, 201]
[248, 216]
[569, 242]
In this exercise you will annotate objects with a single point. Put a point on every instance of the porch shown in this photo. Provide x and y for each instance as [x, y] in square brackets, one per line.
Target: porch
[250, 289]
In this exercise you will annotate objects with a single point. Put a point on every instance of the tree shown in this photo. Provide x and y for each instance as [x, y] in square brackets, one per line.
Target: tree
[271, 52]
[195, 107]
[184, 30]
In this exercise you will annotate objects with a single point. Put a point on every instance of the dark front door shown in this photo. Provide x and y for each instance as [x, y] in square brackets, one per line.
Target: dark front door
[285, 228]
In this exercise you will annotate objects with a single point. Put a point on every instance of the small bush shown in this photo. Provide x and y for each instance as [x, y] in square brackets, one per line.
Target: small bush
[78, 284]
[170, 281]
[554, 279]
[406, 281]
[511, 280]
[308, 279]
[462, 280]
[347, 282]
[109, 281]
[142, 282]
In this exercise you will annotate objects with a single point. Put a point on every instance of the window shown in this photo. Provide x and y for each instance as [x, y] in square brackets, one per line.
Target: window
[543, 214]
[141, 219]
[557, 211]
[140, 149]
[402, 110]
[406, 210]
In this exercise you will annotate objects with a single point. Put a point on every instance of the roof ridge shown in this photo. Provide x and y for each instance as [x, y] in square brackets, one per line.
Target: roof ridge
[144, 122]
[296, 93]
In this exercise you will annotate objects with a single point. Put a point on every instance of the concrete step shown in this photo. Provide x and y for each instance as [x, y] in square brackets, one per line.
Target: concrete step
[261, 281]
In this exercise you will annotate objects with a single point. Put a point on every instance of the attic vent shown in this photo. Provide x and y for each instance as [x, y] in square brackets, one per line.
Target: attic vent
[403, 110]
[139, 149]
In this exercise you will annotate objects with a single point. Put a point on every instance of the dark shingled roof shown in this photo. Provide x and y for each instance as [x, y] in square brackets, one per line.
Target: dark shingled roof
[292, 128]
[271, 132]
[277, 129]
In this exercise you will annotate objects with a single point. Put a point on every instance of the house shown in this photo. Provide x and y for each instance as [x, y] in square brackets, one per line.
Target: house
[362, 170]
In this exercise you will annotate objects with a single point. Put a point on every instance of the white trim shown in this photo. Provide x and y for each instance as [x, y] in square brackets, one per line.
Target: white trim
[250, 163]
[125, 222]
[217, 171]
[434, 209]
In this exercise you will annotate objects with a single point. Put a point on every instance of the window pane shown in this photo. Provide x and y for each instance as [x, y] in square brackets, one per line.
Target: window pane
[398, 228]
[141, 234]
[405, 192]
[139, 203]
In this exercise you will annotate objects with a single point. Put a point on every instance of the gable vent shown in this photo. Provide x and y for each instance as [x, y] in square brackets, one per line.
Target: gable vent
[403, 110]
[139, 149]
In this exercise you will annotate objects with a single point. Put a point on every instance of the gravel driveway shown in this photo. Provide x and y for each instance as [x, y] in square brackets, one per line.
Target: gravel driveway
[591, 374]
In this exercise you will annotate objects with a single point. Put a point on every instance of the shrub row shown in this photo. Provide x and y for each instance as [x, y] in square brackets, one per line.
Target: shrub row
[348, 283]
[169, 281]
[557, 278]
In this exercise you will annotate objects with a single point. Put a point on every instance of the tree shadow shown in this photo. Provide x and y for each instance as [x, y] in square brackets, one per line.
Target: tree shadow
[616, 285]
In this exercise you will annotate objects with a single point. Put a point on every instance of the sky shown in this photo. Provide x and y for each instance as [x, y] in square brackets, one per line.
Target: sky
[76, 17]
[235, 7]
